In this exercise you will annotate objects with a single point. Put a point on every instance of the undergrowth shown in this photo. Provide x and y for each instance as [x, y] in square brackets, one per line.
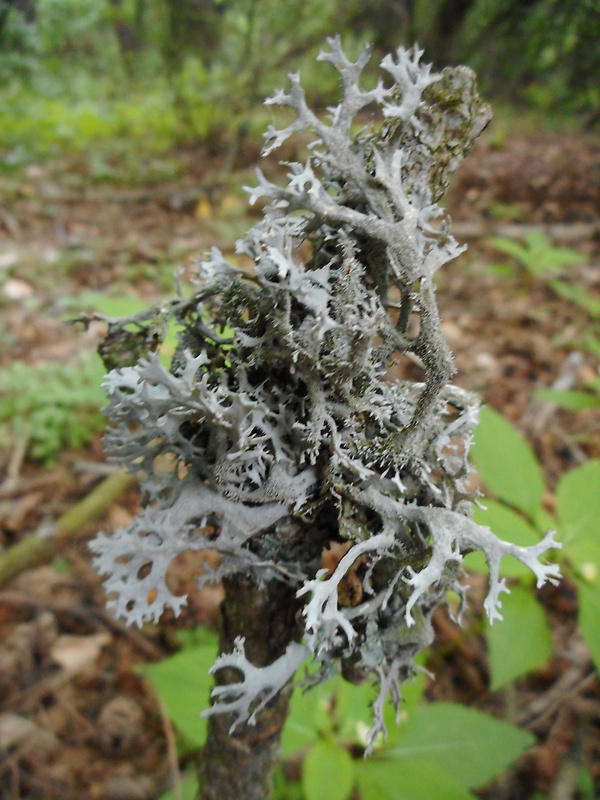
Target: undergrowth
[52, 406]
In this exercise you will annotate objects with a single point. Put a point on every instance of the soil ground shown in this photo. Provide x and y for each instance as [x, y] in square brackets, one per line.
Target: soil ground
[75, 721]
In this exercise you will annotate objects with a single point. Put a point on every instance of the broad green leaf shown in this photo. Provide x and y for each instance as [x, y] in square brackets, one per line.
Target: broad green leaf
[189, 789]
[183, 682]
[511, 527]
[506, 463]
[300, 729]
[519, 643]
[408, 779]
[578, 504]
[584, 557]
[589, 615]
[353, 710]
[462, 742]
[544, 521]
[327, 772]
[310, 714]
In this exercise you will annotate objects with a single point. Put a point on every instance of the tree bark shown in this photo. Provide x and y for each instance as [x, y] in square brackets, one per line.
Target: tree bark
[240, 765]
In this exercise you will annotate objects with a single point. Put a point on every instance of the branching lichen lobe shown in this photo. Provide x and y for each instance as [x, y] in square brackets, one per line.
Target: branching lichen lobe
[280, 419]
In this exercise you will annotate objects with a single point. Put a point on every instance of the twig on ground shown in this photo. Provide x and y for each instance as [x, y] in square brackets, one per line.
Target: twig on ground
[16, 461]
[169, 733]
[34, 551]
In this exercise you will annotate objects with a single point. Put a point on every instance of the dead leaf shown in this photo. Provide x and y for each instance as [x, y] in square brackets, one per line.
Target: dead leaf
[74, 653]
[17, 290]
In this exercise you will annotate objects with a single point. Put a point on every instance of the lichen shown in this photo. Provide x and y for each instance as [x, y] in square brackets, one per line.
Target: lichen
[279, 422]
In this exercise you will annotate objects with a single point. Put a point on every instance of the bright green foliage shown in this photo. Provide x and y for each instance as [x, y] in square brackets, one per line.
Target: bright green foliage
[520, 644]
[100, 75]
[327, 772]
[439, 750]
[184, 684]
[56, 406]
[335, 709]
[578, 504]
[507, 463]
[537, 255]
[459, 742]
[577, 521]
[420, 780]
[588, 595]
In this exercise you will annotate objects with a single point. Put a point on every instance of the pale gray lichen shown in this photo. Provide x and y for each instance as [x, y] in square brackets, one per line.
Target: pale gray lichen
[281, 403]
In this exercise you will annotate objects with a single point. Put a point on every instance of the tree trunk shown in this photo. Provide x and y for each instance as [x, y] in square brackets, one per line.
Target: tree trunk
[239, 766]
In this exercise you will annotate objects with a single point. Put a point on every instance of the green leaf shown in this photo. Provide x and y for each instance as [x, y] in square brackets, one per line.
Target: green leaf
[506, 463]
[300, 730]
[578, 504]
[327, 772]
[589, 613]
[183, 682]
[578, 508]
[189, 789]
[462, 742]
[407, 780]
[123, 304]
[310, 715]
[519, 643]
[511, 527]
[570, 399]
[341, 706]
[353, 710]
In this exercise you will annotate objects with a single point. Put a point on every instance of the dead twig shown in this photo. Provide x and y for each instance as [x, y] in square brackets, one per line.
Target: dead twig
[34, 551]
[169, 733]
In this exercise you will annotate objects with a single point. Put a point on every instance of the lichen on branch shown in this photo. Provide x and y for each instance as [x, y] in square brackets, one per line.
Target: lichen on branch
[280, 428]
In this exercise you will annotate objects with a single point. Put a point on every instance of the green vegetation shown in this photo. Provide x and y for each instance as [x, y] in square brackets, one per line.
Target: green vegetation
[117, 84]
[437, 750]
[537, 255]
[107, 77]
[573, 399]
[54, 406]
[523, 642]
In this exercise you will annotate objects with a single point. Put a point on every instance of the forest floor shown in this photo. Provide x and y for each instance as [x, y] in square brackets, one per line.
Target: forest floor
[75, 721]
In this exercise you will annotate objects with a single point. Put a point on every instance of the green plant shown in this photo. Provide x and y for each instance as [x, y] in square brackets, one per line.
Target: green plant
[523, 642]
[55, 406]
[573, 399]
[439, 750]
[579, 295]
[537, 255]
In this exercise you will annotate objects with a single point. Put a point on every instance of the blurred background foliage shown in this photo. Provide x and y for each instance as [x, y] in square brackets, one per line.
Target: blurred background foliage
[77, 72]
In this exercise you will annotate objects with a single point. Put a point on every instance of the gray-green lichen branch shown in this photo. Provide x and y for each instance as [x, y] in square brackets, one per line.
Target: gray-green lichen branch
[286, 437]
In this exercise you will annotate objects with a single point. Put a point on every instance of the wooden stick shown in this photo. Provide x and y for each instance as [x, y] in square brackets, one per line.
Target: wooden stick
[33, 551]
